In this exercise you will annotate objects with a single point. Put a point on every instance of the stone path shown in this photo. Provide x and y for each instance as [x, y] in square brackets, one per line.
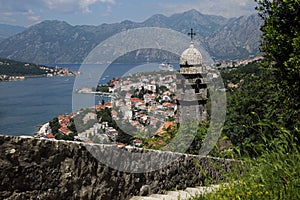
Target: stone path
[178, 195]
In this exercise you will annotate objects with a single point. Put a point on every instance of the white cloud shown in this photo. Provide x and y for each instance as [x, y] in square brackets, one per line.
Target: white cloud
[12, 14]
[6, 17]
[107, 12]
[74, 5]
[34, 18]
[8, 13]
[226, 8]
[84, 4]
[30, 14]
[74, 11]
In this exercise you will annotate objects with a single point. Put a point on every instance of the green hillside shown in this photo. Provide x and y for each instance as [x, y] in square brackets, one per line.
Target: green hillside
[15, 68]
[263, 120]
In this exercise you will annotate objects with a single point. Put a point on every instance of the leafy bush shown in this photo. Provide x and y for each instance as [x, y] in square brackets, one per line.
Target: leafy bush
[273, 175]
[271, 129]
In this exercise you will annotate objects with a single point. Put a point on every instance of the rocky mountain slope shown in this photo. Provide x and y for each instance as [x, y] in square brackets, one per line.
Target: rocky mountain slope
[60, 42]
[239, 38]
[9, 30]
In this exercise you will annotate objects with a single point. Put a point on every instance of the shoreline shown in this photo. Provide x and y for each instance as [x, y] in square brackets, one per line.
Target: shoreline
[33, 76]
[43, 130]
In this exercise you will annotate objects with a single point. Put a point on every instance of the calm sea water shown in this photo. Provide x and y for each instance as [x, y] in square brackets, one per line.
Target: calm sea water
[24, 105]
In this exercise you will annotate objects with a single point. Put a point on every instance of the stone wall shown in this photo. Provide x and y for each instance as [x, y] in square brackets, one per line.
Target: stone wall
[33, 168]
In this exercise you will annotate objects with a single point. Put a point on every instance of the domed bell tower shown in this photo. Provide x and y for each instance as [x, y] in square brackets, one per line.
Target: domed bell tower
[191, 86]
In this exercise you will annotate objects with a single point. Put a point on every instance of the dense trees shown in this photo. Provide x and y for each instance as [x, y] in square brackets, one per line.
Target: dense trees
[102, 88]
[265, 109]
[248, 105]
[15, 68]
[266, 104]
[281, 36]
[72, 126]
[54, 124]
[281, 44]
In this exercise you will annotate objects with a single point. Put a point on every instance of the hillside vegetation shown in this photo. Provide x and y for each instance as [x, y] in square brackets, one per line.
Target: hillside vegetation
[263, 121]
[15, 68]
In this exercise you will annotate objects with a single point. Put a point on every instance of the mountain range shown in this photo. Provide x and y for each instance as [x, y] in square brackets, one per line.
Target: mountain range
[59, 42]
[7, 30]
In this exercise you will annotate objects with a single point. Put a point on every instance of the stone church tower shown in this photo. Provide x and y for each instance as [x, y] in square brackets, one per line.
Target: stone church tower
[191, 86]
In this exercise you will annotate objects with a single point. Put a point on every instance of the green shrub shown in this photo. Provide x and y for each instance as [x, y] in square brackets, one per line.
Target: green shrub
[273, 175]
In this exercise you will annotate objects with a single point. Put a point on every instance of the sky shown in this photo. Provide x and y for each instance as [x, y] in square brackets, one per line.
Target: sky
[95, 12]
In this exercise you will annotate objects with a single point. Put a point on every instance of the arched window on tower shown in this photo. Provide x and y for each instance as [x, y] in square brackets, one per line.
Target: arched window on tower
[197, 88]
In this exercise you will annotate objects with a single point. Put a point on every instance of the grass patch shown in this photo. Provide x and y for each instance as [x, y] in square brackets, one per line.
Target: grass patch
[273, 175]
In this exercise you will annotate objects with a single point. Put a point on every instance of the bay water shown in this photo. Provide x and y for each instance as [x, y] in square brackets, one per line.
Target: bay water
[24, 105]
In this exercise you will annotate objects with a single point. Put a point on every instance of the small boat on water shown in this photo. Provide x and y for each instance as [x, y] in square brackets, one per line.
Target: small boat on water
[166, 67]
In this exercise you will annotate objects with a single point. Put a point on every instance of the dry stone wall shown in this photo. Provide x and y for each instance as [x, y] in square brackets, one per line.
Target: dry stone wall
[32, 168]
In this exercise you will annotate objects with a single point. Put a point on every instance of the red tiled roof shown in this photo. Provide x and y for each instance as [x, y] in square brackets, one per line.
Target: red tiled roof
[108, 104]
[137, 141]
[64, 130]
[100, 106]
[136, 100]
[50, 136]
[166, 125]
[166, 104]
[113, 112]
[60, 117]
[149, 95]
[120, 144]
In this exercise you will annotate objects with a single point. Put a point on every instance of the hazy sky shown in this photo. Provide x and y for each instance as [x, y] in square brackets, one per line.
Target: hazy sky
[96, 12]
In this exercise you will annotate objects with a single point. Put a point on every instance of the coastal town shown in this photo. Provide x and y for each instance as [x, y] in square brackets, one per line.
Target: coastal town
[141, 105]
[239, 63]
[4, 77]
[18, 71]
[144, 102]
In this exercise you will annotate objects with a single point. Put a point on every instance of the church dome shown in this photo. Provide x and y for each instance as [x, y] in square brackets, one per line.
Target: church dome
[191, 56]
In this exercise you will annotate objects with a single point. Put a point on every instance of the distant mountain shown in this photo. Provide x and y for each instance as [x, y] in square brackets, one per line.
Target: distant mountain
[203, 24]
[59, 42]
[56, 42]
[9, 30]
[239, 38]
